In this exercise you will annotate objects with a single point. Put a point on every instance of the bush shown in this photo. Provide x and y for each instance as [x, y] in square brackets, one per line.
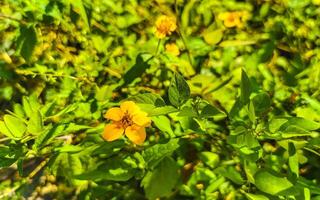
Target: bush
[164, 99]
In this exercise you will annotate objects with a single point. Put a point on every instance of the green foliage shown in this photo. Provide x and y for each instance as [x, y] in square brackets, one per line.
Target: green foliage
[179, 91]
[233, 95]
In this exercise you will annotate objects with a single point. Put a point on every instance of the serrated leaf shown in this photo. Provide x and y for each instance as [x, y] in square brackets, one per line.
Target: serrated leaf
[148, 98]
[153, 155]
[179, 91]
[210, 111]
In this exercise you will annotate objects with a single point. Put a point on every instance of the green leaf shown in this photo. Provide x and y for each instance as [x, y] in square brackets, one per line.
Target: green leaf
[47, 135]
[210, 111]
[231, 173]
[15, 125]
[74, 166]
[294, 131]
[109, 148]
[189, 124]
[305, 183]
[149, 98]
[293, 159]
[68, 109]
[153, 155]
[35, 124]
[4, 130]
[261, 102]
[161, 181]
[6, 162]
[300, 122]
[256, 196]
[215, 184]
[69, 149]
[26, 106]
[209, 158]
[179, 91]
[213, 37]
[136, 70]
[9, 155]
[251, 112]
[307, 195]
[115, 169]
[187, 111]
[271, 183]
[164, 124]
[163, 110]
[26, 41]
[79, 8]
[18, 110]
[245, 86]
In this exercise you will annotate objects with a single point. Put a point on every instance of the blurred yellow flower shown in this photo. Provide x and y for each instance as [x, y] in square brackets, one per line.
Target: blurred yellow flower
[165, 25]
[173, 49]
[128, 120]
[234, 19]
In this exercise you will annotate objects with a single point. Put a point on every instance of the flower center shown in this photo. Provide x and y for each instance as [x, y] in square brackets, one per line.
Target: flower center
[126, 120]
[164, 27]
[231, 18]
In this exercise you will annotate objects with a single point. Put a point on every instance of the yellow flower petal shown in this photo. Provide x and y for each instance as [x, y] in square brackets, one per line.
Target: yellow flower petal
[141, 119]
[160, 35]
[165, 25]
[115, 114]
[173, 49]
[129, 107]
[222, 16]
[136, 134]
[112, 132]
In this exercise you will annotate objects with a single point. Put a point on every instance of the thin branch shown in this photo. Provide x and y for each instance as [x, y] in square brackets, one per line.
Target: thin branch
[180, 32]
[13, 19]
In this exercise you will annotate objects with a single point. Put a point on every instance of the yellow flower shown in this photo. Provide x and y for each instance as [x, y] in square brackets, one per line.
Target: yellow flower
[165, 26]
[173, 49]
[231, 19]
[128, 120]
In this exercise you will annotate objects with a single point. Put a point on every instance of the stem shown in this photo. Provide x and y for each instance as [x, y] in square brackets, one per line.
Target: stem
[158, 46]
[13, 19]
[186, 47]
[26, 180]
[4, 139]
[180, 32]
[38, 168]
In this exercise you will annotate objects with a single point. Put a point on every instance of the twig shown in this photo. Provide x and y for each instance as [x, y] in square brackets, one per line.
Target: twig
[180, 32]
[12, 18]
